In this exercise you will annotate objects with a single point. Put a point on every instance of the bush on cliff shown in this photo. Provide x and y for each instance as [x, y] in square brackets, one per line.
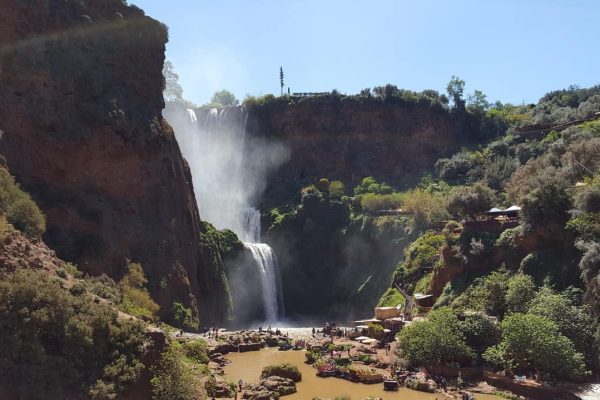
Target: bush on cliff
[20, 210]
[466, 201]
[56, 346]
[136, 299]
[283, 370]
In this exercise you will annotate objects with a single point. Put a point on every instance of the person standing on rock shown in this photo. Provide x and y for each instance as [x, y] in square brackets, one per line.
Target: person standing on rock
[240, 384]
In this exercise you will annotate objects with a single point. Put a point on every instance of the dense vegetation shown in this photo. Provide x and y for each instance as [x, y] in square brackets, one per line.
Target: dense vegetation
[56, 345]
[503, 280]
[532, 287]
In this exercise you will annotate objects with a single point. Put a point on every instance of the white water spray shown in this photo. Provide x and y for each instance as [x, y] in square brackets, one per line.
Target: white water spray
[229, 174]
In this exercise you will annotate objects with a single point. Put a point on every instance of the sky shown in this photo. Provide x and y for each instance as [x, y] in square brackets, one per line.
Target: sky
[513, 50]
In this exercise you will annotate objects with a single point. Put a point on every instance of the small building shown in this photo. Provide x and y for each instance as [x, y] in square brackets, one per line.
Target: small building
[423, 300]
[383, 313]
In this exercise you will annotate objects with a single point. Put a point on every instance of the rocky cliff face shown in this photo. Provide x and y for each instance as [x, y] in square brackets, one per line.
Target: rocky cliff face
[80, 111]
[348, 139]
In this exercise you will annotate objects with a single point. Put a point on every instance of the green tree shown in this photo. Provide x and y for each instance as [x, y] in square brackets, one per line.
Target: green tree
[572, 321]
[224, 98]
[173, 92]
[455, 89]
[172, 379]
[281, 79]
[477, 102]
[520, 291]
[435, 341]
[481, 331]
[534, 343]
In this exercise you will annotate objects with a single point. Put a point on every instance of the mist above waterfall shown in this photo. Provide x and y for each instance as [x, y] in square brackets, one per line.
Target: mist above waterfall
[229, 173]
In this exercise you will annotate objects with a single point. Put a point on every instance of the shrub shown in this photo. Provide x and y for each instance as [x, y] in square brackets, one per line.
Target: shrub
[426, 207]
[370, 185]
[105, 287]
[466, 201]
[21, 211]
[136, 299]
[183, 316]
[587, 198]
[455, 167]
[283, 370]
[549, 203]
[391, 298]
[373, 202]
[61, 272]
[336, 189]
[420, 257]
[77, 289]
[375, 331]
[197, 351]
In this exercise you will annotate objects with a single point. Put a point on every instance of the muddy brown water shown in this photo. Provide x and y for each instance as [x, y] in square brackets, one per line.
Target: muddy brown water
[247, 366]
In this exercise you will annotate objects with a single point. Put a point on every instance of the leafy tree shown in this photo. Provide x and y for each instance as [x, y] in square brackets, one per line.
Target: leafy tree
[434, 341]
[281, 79]
[466, 201]
[173, 91]
[224, 98]
[520, 291]
[455, 89]
[534, 343]
[480, 331]
[572, 321]
[477, 102]
[172, 379]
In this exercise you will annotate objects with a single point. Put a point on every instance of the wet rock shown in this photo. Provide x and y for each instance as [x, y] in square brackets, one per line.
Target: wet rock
[280, 385]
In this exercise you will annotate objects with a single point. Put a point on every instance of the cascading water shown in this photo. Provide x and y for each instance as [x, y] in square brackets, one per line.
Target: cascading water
[227, 177]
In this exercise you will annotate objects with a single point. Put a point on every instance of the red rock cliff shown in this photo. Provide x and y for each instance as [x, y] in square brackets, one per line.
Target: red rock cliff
[348, 140]
[80, 111]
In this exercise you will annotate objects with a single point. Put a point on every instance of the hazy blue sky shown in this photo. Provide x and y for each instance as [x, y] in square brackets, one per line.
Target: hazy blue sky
[512, 50]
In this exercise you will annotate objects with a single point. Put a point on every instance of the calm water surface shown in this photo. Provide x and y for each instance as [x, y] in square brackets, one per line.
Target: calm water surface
[247, 366]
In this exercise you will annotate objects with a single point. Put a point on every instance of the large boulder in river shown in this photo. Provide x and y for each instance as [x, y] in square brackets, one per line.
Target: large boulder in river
[280, 385]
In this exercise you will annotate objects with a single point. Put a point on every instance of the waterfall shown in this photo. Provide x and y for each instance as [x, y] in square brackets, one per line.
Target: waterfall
[264, 256]
[227, 178]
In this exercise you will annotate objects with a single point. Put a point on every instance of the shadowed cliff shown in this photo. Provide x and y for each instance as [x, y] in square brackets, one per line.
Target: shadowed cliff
[80, 110]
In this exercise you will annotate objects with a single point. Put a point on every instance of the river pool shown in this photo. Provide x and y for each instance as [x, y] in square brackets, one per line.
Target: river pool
[247, 366]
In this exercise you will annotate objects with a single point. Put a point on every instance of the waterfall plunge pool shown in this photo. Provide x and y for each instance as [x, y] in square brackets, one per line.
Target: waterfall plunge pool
[247, 367]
